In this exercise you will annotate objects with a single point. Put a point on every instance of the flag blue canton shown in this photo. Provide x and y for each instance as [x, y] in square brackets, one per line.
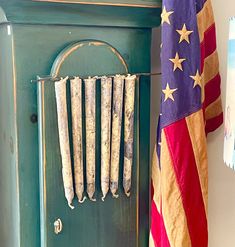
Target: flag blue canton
[186, 99]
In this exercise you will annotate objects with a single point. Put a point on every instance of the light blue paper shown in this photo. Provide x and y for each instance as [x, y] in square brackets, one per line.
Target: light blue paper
[229, 130]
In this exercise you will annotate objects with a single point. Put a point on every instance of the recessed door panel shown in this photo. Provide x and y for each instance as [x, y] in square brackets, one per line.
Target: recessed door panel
[115, 222]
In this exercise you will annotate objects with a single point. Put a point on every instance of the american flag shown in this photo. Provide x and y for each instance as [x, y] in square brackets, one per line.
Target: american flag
[190, 108]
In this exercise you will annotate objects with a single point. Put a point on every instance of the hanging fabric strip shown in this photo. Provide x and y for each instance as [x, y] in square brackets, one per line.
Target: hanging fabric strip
[76, 107]
[116, 132]
[106, 99]
[128, 132]
[90, 104]
[61, 102]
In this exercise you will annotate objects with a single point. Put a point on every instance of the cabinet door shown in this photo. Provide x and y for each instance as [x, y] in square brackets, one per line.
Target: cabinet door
[114, 222]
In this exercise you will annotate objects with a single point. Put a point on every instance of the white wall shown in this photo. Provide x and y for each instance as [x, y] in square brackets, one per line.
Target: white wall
[221, 178]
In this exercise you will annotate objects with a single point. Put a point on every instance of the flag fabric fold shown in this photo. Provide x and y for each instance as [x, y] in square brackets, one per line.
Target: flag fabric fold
[190, 109]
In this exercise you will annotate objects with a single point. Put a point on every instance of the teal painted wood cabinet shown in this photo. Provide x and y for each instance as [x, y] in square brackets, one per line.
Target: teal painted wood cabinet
[35, 38]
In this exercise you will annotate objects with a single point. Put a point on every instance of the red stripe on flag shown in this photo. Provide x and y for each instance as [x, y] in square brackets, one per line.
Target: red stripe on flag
[208, 45]
[182, 155]
[158, 229]
[212, 90]
[214, 123]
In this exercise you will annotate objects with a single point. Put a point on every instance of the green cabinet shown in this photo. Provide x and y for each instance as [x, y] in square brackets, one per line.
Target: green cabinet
[35, 36]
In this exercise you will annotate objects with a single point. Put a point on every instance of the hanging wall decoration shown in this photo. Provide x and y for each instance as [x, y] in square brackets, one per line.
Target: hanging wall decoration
[118, 85]
[112, 97]
[90, 105]
[106, 100]
[76, 105]
[128, 132]
[62, 116]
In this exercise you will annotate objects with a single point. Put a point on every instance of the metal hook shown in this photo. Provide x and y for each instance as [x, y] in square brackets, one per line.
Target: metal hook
[58, 226]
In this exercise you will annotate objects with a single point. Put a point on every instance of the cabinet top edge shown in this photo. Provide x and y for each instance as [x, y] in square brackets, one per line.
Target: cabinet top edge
[134, 5]
[114, 13]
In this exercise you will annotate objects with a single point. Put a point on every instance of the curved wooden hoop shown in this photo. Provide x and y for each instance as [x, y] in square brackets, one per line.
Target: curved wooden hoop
[65, 53]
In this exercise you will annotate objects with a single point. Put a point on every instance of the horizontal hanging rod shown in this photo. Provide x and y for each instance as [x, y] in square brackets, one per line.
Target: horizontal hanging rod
[50, 78]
